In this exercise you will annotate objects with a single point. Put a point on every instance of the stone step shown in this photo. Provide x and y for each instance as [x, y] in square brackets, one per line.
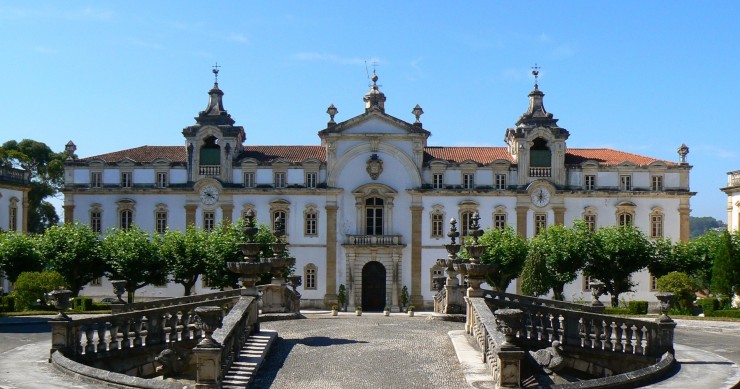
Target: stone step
[250, 359]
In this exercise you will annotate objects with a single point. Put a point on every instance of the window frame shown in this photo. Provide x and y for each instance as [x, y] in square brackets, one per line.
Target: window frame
[311, 179]
[625, 182]
[500, 181]
[540, 222]
[435, 271]
[310, 277]
[656, 183]
[589, 182]
[162, 180]
[127, 179]
[279, 179]
[438, 180]
[96, 218]
[311, 222]
[248, 179]
[468, 180]
[209, 219]
[96, 179]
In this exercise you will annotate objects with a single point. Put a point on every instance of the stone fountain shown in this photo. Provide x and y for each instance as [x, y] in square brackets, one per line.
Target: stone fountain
[476, 271]
[277, 298]
[250, 268]
[454, 302]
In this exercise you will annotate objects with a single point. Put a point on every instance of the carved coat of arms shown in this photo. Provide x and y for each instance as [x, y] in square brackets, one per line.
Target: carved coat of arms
[374, 166]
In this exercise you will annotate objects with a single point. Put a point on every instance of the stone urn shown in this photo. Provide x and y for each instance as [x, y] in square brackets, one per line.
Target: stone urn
[119, 288]
[509, 322]
[664, 304]
[60, 299]
[210, 318]
[597, 289]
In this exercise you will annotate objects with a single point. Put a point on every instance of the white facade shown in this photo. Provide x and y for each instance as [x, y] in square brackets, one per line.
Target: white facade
[733, 200]
[14, 187]
[363, 208]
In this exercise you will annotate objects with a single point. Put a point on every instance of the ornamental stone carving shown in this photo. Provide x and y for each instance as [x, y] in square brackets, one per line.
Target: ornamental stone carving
[374, 166]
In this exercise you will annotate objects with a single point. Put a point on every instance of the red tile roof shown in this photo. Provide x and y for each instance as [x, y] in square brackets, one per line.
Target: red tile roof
[147, 154]
[483, 155]
[296, 154]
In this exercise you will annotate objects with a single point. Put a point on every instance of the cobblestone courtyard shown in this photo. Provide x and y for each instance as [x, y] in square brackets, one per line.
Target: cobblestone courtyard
[360, 352]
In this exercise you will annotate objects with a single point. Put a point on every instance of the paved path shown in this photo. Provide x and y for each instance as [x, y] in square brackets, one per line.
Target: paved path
[371, 351]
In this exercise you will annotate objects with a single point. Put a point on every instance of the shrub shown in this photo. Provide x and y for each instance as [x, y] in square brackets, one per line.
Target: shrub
[82, 304]
[682, 287]
[32, 286]
[637, 307]
[8, 303]
[708, 305]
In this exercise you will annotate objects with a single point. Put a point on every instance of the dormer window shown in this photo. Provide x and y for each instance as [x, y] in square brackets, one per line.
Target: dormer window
[96, 179]
[625, 182]
[468, 180]
[126, 180]
[656, 184]
[280, 179]
[311, 178]
[162, 180]
[500, 181]
[438, 181]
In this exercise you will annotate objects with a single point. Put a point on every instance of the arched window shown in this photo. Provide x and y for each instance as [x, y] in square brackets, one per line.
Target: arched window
[309, 276]
[96, 218]
[656, 223]
[467, 208]
[625, 213]
[279, 209]
[311, 221]
[374, 216]
[13, 214]
[499, 218]
[437, 222]
[126, 209]
[540, 155]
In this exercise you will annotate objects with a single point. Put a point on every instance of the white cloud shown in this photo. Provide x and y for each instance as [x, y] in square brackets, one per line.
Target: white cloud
[313, 56]
[239, 38]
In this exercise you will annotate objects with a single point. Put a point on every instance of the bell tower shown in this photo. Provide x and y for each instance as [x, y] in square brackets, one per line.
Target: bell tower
[537, 143]
[214, 142]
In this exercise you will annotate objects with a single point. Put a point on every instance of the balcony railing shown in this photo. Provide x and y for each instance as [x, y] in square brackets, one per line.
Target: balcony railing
[374, 240]
[540, 172]
[733, 178]
[15, 175]
[209, 170]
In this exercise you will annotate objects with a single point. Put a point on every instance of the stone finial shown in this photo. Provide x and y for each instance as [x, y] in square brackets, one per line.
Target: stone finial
[70, 148]
[682, 151]
[417, 112]
[332, 111]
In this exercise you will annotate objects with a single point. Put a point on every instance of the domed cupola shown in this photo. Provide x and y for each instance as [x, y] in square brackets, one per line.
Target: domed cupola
[215, 113]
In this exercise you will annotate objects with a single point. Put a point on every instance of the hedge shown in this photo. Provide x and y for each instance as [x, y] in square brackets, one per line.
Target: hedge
[616, 311]
[708, 305]
[82, 303]
[637, 307]
[7, 304]
[735, 313]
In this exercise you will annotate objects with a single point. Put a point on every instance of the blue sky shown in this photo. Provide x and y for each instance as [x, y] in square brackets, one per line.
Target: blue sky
[637, 76]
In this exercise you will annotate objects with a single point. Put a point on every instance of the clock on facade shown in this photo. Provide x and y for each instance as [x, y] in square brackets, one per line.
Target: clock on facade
[541, 197]
[209, 195]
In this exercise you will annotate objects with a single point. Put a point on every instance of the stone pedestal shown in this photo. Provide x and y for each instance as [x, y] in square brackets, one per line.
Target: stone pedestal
[208, 362]
[454, 299]
[62, 335]
[272, 298]
[509, 363]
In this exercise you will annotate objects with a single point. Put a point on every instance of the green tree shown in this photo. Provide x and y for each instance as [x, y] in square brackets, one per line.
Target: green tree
[701, 225]
[185, 255]
[18, 253]
[32, 286]
[682, 287]
[619, 252]
[130, 255]
[222, 247]
[701, 252]
[564, 251]
[74, 251]
[47, 177]
[726, 267]
[505, 249]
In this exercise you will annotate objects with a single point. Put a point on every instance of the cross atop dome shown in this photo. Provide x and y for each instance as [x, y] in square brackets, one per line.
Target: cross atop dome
[374, 99]
[536, 74]
[215, 72]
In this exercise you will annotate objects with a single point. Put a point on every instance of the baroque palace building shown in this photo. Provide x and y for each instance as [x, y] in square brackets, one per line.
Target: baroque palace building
[370, 206]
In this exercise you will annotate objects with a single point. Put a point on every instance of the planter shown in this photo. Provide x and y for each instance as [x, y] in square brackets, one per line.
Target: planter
[334, 312]
[411, 313]
[358, 312]
[386, 313]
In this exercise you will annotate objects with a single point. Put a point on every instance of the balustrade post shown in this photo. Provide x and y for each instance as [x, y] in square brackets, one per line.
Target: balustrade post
[62, 336]
[208, 352]
[666, 325]
[509, 355]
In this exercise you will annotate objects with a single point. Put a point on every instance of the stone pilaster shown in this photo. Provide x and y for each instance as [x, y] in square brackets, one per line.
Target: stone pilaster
[330, 296]
[227, 210]
[69, 213]
[26, 207]
[190, 214]
[559, 215]
[416, 298]
[208, 362]
[521, 221]
[684, 211]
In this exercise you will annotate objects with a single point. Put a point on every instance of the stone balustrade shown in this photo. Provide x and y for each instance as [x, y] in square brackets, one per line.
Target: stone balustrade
[540, 172]
[108, 335]
[168, 302]
[19, 176]
[241, 321]
[374, 240]
[493, 295]
[209, 170]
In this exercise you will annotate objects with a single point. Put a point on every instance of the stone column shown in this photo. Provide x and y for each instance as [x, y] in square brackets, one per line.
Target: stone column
[190, 214]
[684, 211]
[396, 275]
[521, 221]
[330, 296]
[69, 213]
[227, 210]
[559, 215]
[416, 298]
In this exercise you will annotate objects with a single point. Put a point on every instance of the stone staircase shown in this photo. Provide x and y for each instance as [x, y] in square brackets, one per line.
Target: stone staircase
[250, 359]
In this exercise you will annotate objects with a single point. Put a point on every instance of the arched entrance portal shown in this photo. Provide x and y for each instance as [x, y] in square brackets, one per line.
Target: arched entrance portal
[373, 286]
